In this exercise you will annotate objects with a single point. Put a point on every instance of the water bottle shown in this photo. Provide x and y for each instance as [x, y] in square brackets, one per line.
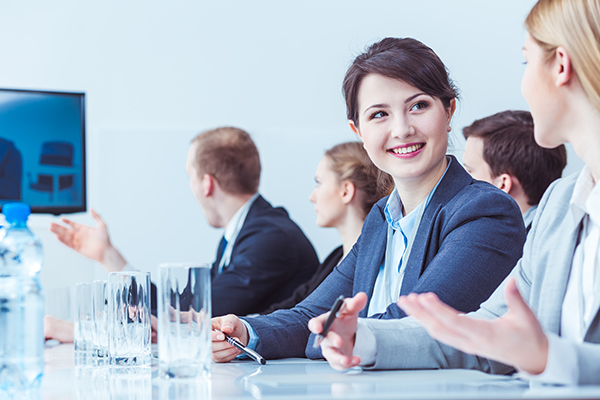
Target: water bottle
[21, 302]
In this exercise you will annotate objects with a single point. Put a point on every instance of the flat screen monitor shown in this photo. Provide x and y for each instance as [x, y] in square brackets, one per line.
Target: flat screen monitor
[42, 150]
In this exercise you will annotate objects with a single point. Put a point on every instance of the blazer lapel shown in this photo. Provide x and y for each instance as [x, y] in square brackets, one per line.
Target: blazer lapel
[370, 259]
[552, 292]
[454, 181]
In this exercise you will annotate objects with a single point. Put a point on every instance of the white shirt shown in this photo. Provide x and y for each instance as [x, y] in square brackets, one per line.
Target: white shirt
[582, 298]
[232, 230]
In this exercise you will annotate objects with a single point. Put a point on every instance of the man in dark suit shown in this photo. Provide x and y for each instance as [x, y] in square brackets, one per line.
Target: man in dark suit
[501, 150]
[263, 255]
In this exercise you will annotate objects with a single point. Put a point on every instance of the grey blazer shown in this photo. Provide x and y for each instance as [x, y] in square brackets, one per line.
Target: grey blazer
[541, 275]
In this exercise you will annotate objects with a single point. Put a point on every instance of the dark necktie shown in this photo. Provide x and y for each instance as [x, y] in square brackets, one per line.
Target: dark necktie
[221, 251]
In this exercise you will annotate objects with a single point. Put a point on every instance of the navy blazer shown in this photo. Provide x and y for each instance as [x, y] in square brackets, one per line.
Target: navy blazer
[469, 239]
[307, 287]
[271, 257]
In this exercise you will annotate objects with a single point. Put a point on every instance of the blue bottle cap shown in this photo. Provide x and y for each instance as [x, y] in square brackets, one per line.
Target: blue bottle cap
[16, 212]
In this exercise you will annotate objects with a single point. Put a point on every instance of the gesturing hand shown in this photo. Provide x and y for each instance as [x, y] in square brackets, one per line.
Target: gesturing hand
[91, 242]
[515, 339]
[338, 345]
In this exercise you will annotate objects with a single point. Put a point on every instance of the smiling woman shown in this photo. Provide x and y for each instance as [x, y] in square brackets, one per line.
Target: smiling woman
[438, 231]
[544, 320]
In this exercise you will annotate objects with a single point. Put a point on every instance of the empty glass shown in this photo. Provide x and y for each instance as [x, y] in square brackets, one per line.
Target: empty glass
[84, 324]
[100, 314]
[184, 311]
[129, 318]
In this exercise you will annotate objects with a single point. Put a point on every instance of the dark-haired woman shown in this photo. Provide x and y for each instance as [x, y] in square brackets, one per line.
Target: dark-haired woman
[439, 231]
[544, 320]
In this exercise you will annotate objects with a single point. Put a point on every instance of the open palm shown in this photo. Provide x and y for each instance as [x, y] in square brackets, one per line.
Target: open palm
[515, 339]
[91, 242]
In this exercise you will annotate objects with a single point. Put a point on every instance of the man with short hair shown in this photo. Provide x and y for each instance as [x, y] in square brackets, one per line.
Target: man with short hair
[263, 255]
[501, 150]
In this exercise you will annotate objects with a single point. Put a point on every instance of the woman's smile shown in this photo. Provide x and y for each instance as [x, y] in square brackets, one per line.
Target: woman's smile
[407, 151]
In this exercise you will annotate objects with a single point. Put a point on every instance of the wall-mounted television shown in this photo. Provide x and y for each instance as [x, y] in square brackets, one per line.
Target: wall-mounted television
[42, 150]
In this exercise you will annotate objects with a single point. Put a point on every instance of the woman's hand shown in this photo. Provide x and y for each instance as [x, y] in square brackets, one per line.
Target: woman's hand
[515, 339]
[338, 345]
[222, 351]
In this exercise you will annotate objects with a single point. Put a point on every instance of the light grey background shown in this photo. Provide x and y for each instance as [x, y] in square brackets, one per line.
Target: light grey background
[156, 73]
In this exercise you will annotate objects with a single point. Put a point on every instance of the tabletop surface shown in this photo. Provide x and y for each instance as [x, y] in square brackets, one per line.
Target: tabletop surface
[288, 378]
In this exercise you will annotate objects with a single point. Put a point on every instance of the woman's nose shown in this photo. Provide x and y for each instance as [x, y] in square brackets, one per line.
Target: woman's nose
[312, 196]
[402, 128]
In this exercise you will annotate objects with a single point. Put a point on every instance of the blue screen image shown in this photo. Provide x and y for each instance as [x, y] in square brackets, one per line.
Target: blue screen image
[42, 150]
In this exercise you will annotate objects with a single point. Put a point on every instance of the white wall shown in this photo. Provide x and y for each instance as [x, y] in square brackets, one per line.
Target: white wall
[156, 73]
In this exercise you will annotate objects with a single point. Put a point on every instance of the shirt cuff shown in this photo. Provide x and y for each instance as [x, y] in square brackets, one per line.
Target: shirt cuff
[365, 345]
[561, 367]
[252, 340]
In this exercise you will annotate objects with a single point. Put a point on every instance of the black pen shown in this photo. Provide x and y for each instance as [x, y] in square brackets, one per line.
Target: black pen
[333, 314]
[251, 353]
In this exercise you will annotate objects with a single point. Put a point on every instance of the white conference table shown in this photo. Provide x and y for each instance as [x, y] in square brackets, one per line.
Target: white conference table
[288, 378]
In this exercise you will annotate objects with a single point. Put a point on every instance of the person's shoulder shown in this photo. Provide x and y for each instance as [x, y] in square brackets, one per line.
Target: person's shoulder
[262, 206]
[559, 193]
[480, 194]
[551, 211]
[376, 215]
[264, 217]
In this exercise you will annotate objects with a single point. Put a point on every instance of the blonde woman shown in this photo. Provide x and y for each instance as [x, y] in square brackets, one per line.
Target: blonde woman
[543, 320]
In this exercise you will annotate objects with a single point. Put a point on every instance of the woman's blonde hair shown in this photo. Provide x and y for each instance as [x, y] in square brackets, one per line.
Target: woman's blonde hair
[350, 162]
[575, 25]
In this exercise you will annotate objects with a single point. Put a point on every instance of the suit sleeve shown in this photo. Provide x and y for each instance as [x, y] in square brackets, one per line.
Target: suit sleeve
[263, 258]
[307, 288]
[285, 333]
[405, 344]
[479, 246]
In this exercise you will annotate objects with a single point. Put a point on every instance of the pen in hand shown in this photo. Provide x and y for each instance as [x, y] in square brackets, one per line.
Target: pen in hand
[251, 353]
[333, 314]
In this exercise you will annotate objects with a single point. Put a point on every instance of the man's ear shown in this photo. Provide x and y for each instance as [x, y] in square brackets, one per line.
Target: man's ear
[208, 185]
[503, 182]
[562, 68]
[348, 192]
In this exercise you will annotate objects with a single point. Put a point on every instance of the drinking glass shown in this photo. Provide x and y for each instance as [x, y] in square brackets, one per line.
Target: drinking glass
[129, 329]
[83, 325]
[184, 311]
[100, 314]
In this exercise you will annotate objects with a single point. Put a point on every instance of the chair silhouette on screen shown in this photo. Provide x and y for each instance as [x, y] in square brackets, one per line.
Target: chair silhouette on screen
[56, 154]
